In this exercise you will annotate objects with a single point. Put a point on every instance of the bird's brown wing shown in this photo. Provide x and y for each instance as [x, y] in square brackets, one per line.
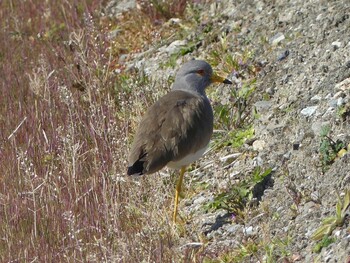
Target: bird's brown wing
[178, 124]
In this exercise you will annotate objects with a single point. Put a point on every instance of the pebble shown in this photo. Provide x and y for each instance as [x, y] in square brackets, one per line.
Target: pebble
[174, 47]
[308, 111]
[263, 105]
[345, 242]
[248, 230]
[338, 94]
[230, 157]
[343, 85]
[283, 55]
[118, 7]
[329, 113]
[233, 229]
[259, 145]
[271, 90]
[258, 161]
[174, 21]
[279, 37]
[333, 103]
[234, 174]
[340, 101]
[336, 44]
[316, 98]
[337, 233]
[285, 17]
[287, 155]
[200, 200]
[193, 244]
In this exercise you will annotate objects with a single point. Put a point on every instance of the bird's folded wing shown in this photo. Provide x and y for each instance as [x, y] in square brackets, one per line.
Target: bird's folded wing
[177, 124]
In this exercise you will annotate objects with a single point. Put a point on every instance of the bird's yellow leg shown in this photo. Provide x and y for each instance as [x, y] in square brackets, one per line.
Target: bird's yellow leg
[178, 190]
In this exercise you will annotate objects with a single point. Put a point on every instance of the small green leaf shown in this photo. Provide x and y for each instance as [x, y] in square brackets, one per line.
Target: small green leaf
[346, 201]
[322, 231]
[338, 208]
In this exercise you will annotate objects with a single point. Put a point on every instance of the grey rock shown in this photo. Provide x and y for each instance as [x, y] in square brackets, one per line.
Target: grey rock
[234, 229]
[333, 103]
[270, 90]
[309, 111]
[122, 58]
[283, 55]
[117, 7]
[340, 102]
[194, 244]
[285, 17]
[343, 85]
[336, 44]
[279, 37]
[339, 94]
[174, 21]
[316, 98]
[259, 145]
[345, 242]
[263, 105]
[249, 231]
[329, 112]
[287, 155]
[200, 200]
[174, 47]
[258, 161]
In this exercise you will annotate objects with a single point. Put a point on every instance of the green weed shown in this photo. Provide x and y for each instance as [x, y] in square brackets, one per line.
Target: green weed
[325, 242]
[344, 111]
[330, 223]
[235, 200]
[272, 251]
[329, 148]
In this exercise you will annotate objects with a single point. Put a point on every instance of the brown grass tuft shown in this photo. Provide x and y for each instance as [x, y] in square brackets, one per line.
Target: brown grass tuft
[64, 122]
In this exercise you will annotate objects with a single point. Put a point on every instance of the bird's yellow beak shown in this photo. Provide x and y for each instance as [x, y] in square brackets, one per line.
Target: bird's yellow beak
[216, 78]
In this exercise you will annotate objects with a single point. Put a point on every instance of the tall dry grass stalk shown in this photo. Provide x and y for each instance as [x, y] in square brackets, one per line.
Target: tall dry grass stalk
[64, 129]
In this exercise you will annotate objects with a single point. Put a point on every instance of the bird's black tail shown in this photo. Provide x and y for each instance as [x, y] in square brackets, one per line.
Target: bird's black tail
[136, 168]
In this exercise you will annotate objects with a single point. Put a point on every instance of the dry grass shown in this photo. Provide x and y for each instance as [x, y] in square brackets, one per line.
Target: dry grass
[64, 122]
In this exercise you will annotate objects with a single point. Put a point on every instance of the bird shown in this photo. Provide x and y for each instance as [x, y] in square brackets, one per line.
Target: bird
[175, 131]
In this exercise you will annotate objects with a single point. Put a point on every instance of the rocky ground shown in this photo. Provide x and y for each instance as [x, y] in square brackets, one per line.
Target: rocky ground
[303, 48]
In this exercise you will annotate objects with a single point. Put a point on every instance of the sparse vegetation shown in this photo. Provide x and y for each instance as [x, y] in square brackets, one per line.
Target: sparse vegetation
[344, 111]
[269, 251]
[330, 223]
[323, 243]
[329, 149]
[236, 199]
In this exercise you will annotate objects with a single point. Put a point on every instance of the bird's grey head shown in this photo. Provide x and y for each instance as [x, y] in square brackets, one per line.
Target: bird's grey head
[194, 76]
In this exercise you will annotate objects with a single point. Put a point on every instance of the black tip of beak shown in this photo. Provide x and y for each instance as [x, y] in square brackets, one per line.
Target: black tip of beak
[226, 81]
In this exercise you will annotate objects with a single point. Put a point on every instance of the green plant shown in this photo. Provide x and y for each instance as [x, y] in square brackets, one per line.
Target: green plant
[344, 111]
[236, 111]
[330, 223]
[272, 251]
[325, 242]
[239, 195]
[328, 148]
[277, 248]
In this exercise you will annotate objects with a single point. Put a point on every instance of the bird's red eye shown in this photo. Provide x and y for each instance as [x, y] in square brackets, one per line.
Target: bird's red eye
[201, 72]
